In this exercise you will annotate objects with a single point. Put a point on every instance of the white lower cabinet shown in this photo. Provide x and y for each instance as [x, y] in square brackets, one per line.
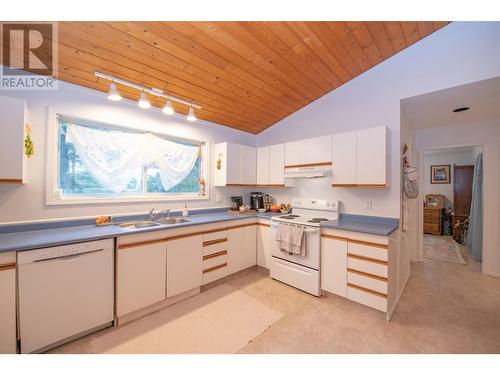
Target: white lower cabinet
[184, 264]
[264, 244]
[250, 246]
[8, 335]
[334, 265]
[140, 276]
[242, 247]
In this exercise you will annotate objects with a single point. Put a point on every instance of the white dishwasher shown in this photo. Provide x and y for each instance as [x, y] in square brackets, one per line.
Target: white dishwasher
[64, 292]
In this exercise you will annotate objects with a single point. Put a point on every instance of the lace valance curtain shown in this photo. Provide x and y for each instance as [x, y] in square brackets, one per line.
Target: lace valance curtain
[115, 157]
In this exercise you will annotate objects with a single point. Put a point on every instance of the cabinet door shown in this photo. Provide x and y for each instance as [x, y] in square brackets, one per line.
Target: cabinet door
[334, 266]
[263, 165]
[277, 164]
[249, 246]
[233, 170]
[371, 160]
[319, 149]
[295, 153]
[264, 245]
[12, 158]
[235, 258]
[8, 311]
[344, 158]
[248, 165]
[184, 264]
[140, 276]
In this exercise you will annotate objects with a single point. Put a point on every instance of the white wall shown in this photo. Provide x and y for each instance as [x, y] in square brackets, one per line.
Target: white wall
[458, 156]
[27, 202]
[460, 53]
[488, 136]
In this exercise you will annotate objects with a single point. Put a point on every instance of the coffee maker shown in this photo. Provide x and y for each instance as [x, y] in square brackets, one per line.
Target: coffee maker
[256, 200]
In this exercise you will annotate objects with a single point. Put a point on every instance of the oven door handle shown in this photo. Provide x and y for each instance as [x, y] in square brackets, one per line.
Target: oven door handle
[305, 230]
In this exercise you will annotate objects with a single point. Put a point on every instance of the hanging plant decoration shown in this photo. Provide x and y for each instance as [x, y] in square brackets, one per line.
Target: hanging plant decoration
[28, 143]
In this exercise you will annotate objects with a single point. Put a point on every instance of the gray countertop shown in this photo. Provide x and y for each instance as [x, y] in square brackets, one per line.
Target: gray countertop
[382, 226]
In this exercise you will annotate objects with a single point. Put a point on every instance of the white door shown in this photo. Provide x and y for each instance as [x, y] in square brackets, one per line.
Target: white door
[184, 264]
[263, 165]
[250, 246]
[319, 149]
[233, 167]
[277, 164]
[264, 245]
[236, 260]
[248, 165]
[371, 160]
[295, 153]
[140, 276]
[344, 158]
[334, 266]
[8, 311]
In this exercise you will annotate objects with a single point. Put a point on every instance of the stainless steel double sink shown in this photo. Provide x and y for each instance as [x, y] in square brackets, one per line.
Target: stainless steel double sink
[152, 223]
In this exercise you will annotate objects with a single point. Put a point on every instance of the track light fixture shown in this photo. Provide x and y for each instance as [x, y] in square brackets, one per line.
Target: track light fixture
[113, 93]
[143, 102]
[168, 109]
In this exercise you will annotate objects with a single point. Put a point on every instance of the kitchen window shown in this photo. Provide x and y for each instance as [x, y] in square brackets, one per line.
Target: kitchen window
[98, 162]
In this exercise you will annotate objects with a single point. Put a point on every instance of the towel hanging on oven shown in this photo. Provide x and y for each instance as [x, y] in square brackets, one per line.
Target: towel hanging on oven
[290, 239]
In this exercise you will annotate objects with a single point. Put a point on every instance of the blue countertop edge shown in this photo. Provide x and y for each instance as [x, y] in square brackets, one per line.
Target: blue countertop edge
[381, 226]
[29, 236]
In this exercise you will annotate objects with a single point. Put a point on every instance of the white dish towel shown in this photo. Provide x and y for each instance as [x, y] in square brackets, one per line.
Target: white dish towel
[290, 239]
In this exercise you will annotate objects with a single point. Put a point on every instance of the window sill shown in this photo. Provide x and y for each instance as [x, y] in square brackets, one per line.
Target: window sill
[79, 200]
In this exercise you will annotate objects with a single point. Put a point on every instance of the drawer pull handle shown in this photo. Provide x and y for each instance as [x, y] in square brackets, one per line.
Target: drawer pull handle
[367, 259]
[215, 268]
[380, 278]
[214, 255]
[7, 266]
[213, 242]
[366, 290]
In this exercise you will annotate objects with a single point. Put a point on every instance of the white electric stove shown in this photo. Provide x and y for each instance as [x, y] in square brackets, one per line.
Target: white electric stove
[302, 272]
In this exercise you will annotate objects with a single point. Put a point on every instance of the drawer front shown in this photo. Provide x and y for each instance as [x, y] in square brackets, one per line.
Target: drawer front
[215, 274]
[215, 261]
[432, 228]
[371, 251]
[215, 247]
[369, 238]
[214, 236]
[368, 299]
[431, 219]
[366, 281]
[365, 266]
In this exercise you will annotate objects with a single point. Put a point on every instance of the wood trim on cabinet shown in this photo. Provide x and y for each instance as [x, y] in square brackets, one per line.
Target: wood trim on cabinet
[334, 237]
[256, 185]
[326, 163]
[215, 268]
[361, 185]
[7, 266]
[367, 259]
[344, 185]
[362, 273]
[264, 224]
[366, 290]
[215, 255]
[366, 243]
[135, 244]
[11, 181]
[213, 242]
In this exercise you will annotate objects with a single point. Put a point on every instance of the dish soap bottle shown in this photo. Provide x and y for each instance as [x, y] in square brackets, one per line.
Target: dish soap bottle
[185, 211]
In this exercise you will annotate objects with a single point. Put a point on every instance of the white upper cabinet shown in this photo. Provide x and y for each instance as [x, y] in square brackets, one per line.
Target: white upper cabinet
[309, 151]
[372, 160]
[295, 153]
[277, 164]
[263, 165]
[344, 158]
[360, 158]
[248, 165]
[319, 150]
[12, 128]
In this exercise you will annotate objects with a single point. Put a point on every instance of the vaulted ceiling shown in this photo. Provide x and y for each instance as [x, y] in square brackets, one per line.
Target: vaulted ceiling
[245, 75]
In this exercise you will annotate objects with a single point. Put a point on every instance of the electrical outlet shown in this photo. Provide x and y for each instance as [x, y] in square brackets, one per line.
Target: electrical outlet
[218, 198]
[369, 204]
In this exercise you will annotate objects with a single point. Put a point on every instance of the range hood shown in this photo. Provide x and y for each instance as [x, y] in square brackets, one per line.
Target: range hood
[305, 171]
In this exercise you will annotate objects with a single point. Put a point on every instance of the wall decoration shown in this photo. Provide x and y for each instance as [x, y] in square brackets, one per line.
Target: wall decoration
[440, 174]
[28, 143]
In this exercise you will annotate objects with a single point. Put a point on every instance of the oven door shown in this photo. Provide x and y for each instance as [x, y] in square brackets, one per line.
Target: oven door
[311, 236]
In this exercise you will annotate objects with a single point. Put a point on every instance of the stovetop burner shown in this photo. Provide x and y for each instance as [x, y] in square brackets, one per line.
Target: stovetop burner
[289, 216]
[317, 220]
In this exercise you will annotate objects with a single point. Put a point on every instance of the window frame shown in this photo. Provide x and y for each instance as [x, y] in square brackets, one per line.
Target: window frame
[54, 196]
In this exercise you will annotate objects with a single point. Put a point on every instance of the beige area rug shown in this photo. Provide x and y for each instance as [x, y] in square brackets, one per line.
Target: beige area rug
[443, 248]
[221, 320]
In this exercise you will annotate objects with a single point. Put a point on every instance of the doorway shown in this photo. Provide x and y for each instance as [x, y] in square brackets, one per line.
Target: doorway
[448, 198]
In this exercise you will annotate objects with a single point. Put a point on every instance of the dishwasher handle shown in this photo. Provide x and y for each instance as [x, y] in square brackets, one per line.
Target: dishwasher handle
[67, 257]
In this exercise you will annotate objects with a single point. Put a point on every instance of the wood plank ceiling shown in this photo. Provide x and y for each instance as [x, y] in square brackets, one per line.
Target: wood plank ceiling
[245, 75]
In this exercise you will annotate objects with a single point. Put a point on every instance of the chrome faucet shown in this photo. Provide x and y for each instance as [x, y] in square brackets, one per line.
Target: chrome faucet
[151, 214]
[164, 212]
